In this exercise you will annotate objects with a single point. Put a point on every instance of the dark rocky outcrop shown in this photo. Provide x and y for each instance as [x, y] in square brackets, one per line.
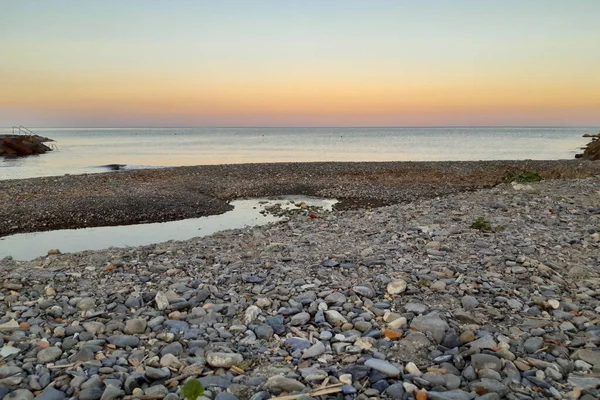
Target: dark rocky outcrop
[592, 150]
[22, 145]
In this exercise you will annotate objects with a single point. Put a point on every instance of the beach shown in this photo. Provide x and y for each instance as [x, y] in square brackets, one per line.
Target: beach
[166, 194]
[452, 292]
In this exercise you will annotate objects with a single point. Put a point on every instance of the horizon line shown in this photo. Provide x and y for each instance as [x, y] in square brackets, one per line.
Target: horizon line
[306, 126]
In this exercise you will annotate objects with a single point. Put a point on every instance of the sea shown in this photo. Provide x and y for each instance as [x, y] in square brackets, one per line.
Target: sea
[93, 150]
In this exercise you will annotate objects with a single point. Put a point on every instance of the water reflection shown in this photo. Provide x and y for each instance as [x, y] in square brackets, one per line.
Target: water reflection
[28, 246]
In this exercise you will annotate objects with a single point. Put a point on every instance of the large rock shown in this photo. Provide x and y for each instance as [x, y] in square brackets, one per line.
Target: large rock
[20, 145]
[592, 151]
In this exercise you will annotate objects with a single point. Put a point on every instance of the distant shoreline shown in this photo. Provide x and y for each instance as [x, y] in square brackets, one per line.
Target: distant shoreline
[167, 194]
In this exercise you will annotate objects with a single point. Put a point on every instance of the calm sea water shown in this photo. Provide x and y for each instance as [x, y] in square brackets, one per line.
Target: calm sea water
[87, 150]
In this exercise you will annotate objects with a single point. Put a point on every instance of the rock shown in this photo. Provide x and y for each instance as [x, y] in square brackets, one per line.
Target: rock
[314, 351]
[156, 391]
[124, 340]
[396, 287]
[264, 332]
[481, 361]
[9, 370]
[19, 394]
[589, 356]
[430, 323]
[364, 291]
[300, 319]
[335, 299]
[156, 373]
[174, 348]
[533, 344]
[484, 342]
[112, 392]
[161, 301]
[223, 360]
[95, 328]
[51, 393]
[251, 313]
[285, 384]
[395, 391]
[93, 393]
[469, 302]
[49, 355]
[412, 369]
[583, 382]
[382, 366]
[438, 286]
[86, 303]
[484, 386]
[10, 325]
[335, 318]
[455, 394]
[135, 326]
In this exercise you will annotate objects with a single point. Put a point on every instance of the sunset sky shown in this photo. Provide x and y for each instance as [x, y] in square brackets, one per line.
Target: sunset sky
[299, 63]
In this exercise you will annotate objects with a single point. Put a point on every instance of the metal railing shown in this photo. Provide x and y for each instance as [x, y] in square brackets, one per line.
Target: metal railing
[21, 130]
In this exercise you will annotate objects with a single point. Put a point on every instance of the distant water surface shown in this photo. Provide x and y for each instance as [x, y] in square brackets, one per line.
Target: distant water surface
[87, 150]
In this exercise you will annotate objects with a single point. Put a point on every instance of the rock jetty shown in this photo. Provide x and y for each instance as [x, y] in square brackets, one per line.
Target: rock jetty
[592, 150]
[23, 145]
[410, 301]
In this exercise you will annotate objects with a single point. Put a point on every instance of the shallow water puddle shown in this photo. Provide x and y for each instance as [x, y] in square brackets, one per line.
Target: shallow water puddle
[27, 246]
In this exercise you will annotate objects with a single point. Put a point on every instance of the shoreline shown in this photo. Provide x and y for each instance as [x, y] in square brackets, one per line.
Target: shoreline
[168, 194]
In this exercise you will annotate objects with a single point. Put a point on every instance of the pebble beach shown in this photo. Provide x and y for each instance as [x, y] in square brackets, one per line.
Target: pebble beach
[487, 293]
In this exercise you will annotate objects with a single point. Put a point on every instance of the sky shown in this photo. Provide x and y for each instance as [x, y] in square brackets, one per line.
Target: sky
[144, 63]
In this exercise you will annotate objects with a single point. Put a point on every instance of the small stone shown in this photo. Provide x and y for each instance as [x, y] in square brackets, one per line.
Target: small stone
[314, 351]
[49, 355]
[430, 323]
[174, 348]
[51, 393]
[438, 286]
[533, 344]
[383, 366]
[223, 360]
[92, 393]
[484, 386]
[157, 373]
[481, 361]
[263, 302]
[285, 384]
[161, 300]
[112, 393]
[469, 302]
[300, 319]
[156, 391]
[396, 287]
[251, 313]
[335, 318]
[135, 326]
[124, 340]
[555, 304]
[364, 291]
[86, 303]
[19, 394]
[395, 391]
[412, 369]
